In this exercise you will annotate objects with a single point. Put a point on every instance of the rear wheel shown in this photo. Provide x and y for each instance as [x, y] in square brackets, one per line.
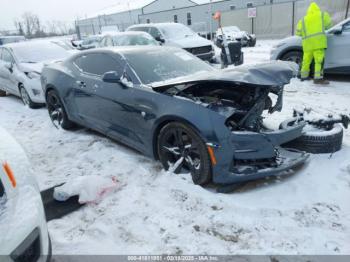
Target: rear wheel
[180, 148]
[57, 111]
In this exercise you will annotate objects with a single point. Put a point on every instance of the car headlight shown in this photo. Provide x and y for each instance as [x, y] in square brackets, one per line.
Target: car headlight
[32, 75]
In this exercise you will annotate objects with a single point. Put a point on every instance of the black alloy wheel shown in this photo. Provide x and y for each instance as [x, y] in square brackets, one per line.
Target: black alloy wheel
[57, 112]
[181, 149]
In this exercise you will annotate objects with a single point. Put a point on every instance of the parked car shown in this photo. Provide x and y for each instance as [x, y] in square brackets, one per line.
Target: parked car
[178, 35]
[66, 44]
[233, 33]
[11, 39]
[172, 106]
[127, 39]
[337, 55]
[89, 42]
[21, 65]
[24, 235]
[109, 29]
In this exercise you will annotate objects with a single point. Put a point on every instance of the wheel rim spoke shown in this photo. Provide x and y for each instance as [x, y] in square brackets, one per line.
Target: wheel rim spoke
[25, 97]
[178, 138]
[173, 150]
[179, 165]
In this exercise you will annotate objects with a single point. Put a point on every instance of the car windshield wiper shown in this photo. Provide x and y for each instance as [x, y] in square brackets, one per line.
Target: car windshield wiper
[29, 62]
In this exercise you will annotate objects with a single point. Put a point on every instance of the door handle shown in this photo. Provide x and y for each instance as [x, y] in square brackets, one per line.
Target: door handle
[81, 84]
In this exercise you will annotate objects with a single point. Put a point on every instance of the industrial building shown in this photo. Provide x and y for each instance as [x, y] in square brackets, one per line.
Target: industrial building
[275, 18]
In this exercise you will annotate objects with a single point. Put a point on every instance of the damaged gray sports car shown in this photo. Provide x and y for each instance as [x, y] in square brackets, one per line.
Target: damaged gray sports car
[170, 105]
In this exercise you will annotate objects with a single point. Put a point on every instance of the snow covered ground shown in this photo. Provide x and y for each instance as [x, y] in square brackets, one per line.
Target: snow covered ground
[155, 212]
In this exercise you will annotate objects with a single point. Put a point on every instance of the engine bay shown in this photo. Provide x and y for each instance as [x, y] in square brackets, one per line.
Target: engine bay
[242, 105]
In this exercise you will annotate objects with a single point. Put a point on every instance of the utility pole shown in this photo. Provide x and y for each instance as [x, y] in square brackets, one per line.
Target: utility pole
[293, 18]
[347, 10]
[211, 19]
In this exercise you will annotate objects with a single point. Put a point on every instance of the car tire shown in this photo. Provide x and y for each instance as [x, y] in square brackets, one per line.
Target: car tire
[252, 43]
[2, 93]
[175, 142]
[316, 142]
[27, 101]
[57, 112]
[293, 56]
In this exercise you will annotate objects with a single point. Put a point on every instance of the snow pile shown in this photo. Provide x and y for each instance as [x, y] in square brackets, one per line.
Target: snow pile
[90, 189]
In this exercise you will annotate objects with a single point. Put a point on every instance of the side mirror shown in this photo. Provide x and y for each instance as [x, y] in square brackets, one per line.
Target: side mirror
[111, 77]
[338, 31]
[160, 39]
[9, 66]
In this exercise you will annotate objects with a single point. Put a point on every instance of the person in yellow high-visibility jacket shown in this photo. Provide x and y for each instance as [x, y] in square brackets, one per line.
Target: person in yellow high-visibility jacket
[312, 28]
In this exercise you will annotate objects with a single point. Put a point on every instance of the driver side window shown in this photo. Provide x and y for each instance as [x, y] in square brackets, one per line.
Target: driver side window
[97, 64]
[155, 33]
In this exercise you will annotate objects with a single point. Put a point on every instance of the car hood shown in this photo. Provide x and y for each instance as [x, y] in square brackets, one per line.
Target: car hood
[273, 74]
[189, 42]
[36, 67]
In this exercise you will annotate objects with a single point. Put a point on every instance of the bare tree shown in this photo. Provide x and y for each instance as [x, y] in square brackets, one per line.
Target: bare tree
[29, 23]
[19, 26]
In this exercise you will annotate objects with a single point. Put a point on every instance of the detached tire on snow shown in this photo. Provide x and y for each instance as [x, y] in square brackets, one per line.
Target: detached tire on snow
[318, 142]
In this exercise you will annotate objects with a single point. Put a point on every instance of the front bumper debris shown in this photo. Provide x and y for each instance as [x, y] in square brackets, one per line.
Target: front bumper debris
[286, 160]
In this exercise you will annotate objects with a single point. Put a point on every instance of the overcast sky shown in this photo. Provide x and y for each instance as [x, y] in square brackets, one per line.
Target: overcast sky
[65, 10]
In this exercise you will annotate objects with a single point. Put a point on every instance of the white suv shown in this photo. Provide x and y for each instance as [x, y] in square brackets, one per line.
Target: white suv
[337, 56]
[23, 229]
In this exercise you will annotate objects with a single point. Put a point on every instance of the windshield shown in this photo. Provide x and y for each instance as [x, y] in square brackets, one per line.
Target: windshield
[39, 52]
[127, 40]
[231, 29]
[176, 31]
[165, 64]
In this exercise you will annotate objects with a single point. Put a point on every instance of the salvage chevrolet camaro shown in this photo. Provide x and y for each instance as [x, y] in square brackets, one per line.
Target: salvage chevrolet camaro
[172, 106]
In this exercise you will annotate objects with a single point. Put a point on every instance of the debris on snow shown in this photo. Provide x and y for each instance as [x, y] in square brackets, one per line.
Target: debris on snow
[90, 189]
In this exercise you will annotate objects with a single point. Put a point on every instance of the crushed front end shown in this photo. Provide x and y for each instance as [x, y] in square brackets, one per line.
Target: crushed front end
[249, 150]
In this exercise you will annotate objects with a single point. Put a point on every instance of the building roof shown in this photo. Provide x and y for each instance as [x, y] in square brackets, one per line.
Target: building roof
[128, 5]
[122, 6]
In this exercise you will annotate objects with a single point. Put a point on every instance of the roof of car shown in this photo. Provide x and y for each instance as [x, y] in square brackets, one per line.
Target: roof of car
[156, 25]
[29, 43]
[126, 49]
[125, 33]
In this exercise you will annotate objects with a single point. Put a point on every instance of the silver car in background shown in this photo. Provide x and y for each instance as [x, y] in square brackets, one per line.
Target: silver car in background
[338, 53]
[178, 35]
[127, 39]
[21, 65]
